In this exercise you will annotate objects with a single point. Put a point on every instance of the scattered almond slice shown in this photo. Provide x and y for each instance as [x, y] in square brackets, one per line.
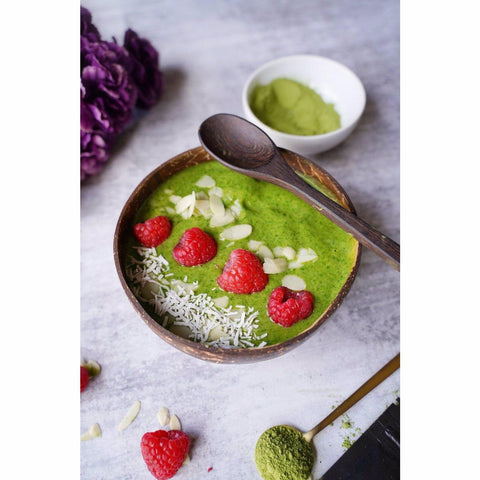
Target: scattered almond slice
[264, 252]
[216, 333]
[206, 182]
[236, 208]
[181, 287]
[168, 191]
[293, 265]
[191, 209]
[216, 191]
[306, 255]
[203, 207]
[187, 459]
[163, 416]
[217, 206]
[254, 245]
[175, 423]
[278, 251]
[93, 432]
[237, 232]
[289, 253]
[170, 210]
[294, 282]
[130, 416]
[222, 221]
[201, 195]
[174, 199]
[221, 302]
[274, 265]
[184, 203]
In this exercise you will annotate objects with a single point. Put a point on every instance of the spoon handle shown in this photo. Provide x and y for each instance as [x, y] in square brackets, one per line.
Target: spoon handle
[376, 241]
[367, 387]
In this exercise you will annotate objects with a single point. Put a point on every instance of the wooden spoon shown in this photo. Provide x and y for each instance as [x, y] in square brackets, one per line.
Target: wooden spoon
[305, 439]
[242, 146]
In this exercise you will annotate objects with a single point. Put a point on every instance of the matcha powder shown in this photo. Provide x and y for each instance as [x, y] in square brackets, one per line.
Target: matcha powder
[290, 107]
[282, 453]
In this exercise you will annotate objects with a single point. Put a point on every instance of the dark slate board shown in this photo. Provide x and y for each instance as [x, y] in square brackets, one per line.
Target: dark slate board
[375, 455]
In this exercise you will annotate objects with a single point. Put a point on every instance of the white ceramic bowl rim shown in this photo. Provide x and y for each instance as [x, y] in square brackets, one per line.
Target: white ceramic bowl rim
[339, 65]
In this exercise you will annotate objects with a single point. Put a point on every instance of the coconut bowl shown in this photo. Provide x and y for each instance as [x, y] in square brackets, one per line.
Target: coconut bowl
[215, 354]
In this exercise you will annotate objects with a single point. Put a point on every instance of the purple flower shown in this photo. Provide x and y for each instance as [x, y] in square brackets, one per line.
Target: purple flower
[95, 150]
[145, 69]
[109, 91]
[87, 28]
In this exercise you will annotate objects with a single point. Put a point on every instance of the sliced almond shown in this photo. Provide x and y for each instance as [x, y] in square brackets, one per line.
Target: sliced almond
[222, 221]
[294, 282]
[289, 253]
[254, 245]
[174, 198]
[191, 208]
[293, 265]
[216, 333]
[175, 423]
[306, 255]
[163, 416]
[236, 208]
[206, 182]
[237, 232]
[216, 206]
[264, 252]
[201, 195]
[183, 287]
[274, 265]
[216, 191]
[184, 203]
[203, 207]
[221, 302]
[130, 416]
[93, 432]
[168, 191]
[187, 459]
[170, 210]
[278, 251]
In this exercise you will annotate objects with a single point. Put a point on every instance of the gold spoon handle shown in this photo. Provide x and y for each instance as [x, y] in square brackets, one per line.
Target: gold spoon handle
[367, 387]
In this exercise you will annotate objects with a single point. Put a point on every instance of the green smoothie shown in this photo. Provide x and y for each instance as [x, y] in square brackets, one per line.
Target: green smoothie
[278, 219]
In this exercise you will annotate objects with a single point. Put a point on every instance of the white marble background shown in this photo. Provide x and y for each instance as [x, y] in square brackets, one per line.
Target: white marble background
[207, 50]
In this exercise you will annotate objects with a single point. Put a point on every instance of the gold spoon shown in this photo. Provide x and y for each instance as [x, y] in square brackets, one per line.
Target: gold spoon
[283, 451]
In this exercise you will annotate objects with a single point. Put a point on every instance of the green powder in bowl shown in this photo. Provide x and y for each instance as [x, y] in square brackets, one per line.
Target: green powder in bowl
[282, 453]
[290, 107]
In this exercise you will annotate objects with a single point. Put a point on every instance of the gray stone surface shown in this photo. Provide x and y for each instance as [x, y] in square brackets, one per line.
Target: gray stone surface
[208, 49]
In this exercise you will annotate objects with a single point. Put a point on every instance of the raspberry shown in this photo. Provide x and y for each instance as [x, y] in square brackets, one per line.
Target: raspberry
[194, 248]
[83, 378]
[287, 307]
[153, 232]
[243, 273]
[164, 452]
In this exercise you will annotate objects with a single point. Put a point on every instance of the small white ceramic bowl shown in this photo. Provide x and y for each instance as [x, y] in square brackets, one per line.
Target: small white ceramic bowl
[333, 81]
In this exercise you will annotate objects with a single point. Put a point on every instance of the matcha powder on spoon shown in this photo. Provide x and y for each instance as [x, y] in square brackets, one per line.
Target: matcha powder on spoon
[282, 453]
[290, 107]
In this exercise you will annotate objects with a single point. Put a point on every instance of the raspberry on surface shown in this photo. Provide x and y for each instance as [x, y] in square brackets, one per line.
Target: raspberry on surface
[287, 307]
[164, 452]
[243, 273]
[153, 232]
[195, 247]
[84, 377]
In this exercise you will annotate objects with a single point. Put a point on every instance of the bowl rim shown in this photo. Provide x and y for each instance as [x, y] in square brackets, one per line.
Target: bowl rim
[199, 350]
[291, 136]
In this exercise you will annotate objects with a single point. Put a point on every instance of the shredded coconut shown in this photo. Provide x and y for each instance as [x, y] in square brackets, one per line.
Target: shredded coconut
[177, 302]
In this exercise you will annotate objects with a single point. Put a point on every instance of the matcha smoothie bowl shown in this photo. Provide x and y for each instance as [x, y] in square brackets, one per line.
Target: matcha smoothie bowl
[251, 241]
